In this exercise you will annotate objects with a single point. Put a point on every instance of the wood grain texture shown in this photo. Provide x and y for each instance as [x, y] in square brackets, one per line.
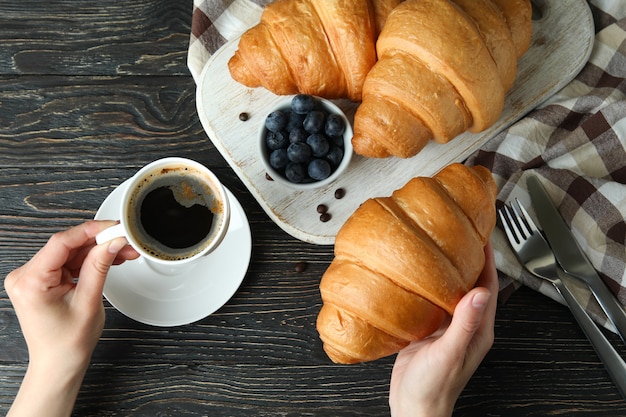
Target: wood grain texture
[91, 91]
[99, 121]
[86, 38]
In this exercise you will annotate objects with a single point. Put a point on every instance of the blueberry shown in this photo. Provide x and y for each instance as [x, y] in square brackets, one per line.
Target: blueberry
[319, 144]
[276, 140]
[276, 121]
[319, 169]
[294, 121]
[279, 159]
[334, 156]
[299, 152]
[335, 125]
[314, 121]
[298, 135]
[303, 103]
[306, 141]
[295, 172]
[337, 140]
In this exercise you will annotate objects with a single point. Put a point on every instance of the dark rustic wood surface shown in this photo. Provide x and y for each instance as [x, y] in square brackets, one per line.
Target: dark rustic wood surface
[89, 92]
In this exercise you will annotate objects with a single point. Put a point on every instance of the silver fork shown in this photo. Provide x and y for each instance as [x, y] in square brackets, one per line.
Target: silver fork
[535, 254]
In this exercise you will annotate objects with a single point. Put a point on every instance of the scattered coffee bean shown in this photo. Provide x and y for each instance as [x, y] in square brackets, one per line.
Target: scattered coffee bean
[267, 177]
[324, 217]
[322, 208]
[244, 116]
[340, 193]
[300, 266]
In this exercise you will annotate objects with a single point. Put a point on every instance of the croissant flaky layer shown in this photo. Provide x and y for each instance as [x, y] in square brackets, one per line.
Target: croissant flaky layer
[447, 64]
[403, 262]
[319, 47]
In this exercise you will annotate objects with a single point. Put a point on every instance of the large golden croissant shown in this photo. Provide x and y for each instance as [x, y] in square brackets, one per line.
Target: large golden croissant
[319, 47]
[403, 262]
[444, 67]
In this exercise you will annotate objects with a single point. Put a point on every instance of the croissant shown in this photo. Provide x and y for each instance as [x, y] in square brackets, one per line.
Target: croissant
[403, 262]
[319, 47]
[518, 15]
[444, 67]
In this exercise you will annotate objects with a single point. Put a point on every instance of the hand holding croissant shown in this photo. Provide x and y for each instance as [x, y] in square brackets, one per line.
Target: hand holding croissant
[403, 262]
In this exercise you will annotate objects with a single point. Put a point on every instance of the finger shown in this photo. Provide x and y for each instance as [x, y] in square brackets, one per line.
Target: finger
[489, 275]
[127, 253]
[489, 279]
[74, 265]
[76, 259]
[465, 323]
[469, 312]
[59, 248]
[95, 268]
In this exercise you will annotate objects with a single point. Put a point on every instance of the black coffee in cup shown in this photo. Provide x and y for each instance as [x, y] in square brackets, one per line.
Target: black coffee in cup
[173, 212]
[173, 222]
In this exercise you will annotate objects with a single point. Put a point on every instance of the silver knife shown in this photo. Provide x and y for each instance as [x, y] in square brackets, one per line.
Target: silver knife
[571, 258]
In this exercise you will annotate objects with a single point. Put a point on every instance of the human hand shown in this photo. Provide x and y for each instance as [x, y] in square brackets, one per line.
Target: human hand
[57, 297]
[429, 375]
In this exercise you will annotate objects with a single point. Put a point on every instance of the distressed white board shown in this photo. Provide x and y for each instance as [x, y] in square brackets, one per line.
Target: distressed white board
[562, 42]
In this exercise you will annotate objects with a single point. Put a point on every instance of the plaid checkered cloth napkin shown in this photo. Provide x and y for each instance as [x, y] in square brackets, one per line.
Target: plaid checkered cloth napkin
[214, 22]
[575, 143]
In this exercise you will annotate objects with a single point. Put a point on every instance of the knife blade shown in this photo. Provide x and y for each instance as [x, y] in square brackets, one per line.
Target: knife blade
[570, 256]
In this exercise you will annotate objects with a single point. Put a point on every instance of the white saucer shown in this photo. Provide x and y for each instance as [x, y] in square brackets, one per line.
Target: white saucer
[148, 297]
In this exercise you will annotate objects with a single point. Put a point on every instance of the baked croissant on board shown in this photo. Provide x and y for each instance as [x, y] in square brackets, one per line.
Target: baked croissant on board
[403, 262]
[319, 47]
[443, 68]
[437, 69]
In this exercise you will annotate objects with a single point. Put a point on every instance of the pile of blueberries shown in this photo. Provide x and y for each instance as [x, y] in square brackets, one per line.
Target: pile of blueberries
[304, 142]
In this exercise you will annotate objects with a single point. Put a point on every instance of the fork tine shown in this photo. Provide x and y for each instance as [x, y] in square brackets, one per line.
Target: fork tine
[510, 227]
[532, 227]
[519, 220]
[504, 222]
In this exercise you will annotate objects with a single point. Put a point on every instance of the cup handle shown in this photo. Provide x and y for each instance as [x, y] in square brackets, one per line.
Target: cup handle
[110, 233]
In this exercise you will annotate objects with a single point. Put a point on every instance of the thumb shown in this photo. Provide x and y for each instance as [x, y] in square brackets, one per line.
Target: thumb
[95, 269]
[466, 321]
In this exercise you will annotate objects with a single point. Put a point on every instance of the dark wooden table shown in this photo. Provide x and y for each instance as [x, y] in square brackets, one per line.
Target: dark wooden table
[89, 92]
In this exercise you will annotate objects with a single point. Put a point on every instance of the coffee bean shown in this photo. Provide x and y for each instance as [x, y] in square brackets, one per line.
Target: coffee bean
[324, 217]
[300, 266]
[322, 209]
[340, 193]
[243, 116]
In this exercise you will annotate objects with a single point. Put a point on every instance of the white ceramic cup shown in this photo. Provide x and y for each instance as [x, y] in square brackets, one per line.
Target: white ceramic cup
[173, 211]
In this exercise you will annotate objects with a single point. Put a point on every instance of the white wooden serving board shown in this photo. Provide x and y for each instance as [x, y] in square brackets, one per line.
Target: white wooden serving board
[562, 42]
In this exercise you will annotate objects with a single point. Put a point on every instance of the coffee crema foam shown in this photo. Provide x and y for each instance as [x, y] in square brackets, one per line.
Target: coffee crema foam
[190, 189]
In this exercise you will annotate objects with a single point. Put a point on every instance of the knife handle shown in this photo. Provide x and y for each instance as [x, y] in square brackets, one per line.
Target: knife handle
[613, 309]
[612, 361]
